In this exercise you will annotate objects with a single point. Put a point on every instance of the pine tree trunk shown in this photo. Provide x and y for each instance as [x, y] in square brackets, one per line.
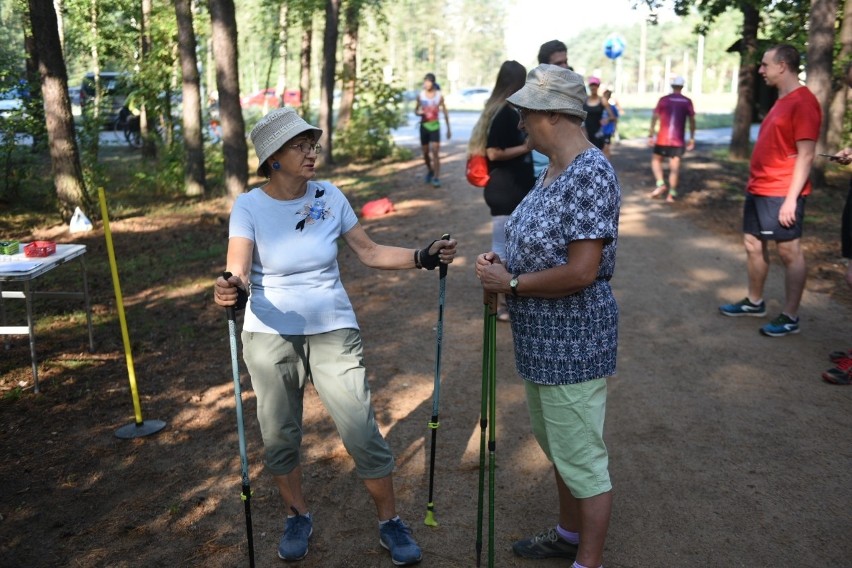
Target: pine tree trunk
[835, 118]
[329, 64]
[305, 65]
[350, 64]
[740, 147]
[64, 155]
[234, 146]
[149, 145]
[819, 57]
[281, 83]
[194, 183]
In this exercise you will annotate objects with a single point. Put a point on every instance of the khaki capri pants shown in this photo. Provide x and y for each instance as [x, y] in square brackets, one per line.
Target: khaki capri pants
[280, 365]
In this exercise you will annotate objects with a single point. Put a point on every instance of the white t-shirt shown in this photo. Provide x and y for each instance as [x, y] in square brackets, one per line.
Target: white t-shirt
[295, 280]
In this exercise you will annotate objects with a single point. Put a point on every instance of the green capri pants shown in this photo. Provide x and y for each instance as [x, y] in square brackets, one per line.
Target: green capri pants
[568, 423]
[279, 365]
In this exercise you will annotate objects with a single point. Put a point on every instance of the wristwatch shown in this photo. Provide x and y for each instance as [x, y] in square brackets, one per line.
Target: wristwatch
[513, 284]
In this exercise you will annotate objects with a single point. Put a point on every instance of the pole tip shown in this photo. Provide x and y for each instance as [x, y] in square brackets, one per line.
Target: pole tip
[430, 517]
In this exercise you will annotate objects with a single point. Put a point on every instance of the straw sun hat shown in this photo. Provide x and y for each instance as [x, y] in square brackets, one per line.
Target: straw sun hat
[553, 89]
[276, 128]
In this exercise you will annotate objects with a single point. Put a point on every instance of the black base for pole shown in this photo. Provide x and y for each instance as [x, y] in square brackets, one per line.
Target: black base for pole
[137, 429]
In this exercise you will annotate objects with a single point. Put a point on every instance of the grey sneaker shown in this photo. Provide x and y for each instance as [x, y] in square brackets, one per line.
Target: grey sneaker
[547, 544]
[781, 326]
[294, 543]
[395, 535]
[744, 308]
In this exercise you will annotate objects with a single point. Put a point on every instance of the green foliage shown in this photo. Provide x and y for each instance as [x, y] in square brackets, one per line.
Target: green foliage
[669, 43]
[462, 42]
[16, 161]
[109, 28]
[375, 113]
[14, 394]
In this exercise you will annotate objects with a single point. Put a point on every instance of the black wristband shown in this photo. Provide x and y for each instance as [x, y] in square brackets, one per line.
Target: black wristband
[429, 261]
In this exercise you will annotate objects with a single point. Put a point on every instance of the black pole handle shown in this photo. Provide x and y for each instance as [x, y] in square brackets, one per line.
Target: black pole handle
[229, 310]
[442, 268]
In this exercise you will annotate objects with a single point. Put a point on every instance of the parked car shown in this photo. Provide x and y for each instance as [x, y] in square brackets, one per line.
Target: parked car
[263, 97]
[115, 87]
[11, 100]
[74, 95]
[475, 95]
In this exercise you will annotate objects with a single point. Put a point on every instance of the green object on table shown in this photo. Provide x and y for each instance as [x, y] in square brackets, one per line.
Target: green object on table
[9, 247]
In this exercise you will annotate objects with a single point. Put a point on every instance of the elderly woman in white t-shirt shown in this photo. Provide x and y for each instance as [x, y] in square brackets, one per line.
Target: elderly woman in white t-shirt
[299, 324]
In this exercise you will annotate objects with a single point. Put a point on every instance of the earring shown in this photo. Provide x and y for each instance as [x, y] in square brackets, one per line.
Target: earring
[276, 165]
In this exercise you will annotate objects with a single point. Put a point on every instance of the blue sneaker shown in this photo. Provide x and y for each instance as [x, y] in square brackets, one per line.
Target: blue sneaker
[429, 177]
[781, 326]
[294, 543]
[744, 308]
[395, 535]
[436, 182]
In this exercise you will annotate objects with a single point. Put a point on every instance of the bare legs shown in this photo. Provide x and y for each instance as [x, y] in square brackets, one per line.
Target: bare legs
[659, 176]
[657, 167]
[435, 149]
[428, 160]
[589, 517]
[381, 490]
[795, 270]
[432, 159]
[290, 489]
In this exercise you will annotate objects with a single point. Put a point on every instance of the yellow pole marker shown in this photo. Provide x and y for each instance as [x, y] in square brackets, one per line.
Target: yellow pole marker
[140, 427]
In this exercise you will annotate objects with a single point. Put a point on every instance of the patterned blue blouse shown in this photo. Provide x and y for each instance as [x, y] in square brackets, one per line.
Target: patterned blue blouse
[572, 339]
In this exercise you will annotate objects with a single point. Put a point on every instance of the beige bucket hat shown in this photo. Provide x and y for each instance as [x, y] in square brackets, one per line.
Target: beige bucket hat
[554, 89]
[276, 128]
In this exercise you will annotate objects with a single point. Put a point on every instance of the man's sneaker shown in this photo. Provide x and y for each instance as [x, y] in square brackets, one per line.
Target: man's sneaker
[547, 544]
[429, 177]
[395, 535]
[744, 308]
[781, 326]
[294, 544]
[436, 182]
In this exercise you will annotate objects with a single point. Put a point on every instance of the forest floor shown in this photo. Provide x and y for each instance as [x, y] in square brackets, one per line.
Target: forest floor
[726, 447]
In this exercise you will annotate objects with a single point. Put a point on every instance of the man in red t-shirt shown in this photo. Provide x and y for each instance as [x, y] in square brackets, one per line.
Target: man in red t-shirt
[672, 112]
[777, 187]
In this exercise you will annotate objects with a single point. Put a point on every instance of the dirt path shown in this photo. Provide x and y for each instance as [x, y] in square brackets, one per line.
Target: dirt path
[726, 447]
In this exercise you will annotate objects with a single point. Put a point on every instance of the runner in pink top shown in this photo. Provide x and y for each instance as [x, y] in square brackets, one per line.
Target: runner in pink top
[672, 112]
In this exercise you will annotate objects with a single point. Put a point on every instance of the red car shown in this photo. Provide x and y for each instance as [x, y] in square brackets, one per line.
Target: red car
[263, 97]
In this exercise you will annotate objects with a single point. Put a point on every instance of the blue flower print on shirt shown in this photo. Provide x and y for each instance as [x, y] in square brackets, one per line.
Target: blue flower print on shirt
[314, 211]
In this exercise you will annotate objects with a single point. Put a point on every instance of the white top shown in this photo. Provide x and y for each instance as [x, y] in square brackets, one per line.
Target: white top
[295, 286]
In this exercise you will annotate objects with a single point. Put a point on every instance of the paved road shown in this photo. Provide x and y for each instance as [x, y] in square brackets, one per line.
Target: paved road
[462, 124]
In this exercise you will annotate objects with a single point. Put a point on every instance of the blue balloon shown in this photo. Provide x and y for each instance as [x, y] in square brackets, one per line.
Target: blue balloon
[614, 46]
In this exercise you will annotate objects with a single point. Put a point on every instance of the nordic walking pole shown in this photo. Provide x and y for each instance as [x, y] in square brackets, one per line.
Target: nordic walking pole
[235, 366]
[492, 420]
[436, 393]
[490, 308]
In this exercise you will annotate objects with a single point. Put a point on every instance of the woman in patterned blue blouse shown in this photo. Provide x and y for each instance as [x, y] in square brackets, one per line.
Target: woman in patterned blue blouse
[560, 256]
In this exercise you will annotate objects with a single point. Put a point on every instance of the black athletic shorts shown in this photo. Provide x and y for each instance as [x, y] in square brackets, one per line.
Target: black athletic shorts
[669, 151]
[427, 136]
[760, 218]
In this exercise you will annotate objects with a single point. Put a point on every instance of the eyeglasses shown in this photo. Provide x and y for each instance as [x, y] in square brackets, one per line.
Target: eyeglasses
[306, 147]
[524, 112]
